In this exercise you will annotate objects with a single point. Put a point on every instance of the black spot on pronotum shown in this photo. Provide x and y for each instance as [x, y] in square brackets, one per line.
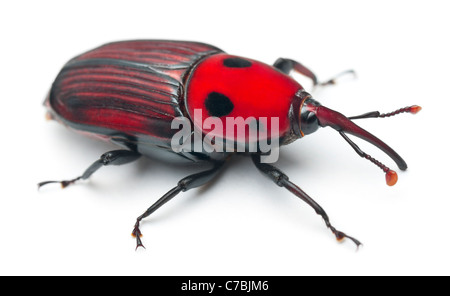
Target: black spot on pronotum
[218, 105]
[236, 63]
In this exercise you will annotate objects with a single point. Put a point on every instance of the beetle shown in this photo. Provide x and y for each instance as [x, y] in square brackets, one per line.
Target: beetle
[131, 92]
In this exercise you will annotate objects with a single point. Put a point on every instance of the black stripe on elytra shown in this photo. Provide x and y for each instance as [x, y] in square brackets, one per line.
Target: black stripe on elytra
[112, 86]
[144, 76]
[78, 103]
[121, 63]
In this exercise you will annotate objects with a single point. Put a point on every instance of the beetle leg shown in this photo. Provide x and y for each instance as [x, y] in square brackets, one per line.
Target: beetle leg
[115, 157]
[282, 180]
[185, 184]
[288, 65]
[332, 80]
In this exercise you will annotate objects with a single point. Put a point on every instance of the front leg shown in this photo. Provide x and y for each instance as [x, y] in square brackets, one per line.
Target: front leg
[287, 66]
[279, 178]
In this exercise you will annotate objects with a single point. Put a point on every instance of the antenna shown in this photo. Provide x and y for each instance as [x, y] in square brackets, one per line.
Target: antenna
[391, 176]
[343, 125]
[376, 114]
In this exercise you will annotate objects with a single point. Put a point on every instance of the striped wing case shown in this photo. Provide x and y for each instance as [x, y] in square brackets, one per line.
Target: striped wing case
[130, 89]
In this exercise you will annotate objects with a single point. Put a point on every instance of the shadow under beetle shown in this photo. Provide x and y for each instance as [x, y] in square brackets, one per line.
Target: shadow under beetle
[129, 93]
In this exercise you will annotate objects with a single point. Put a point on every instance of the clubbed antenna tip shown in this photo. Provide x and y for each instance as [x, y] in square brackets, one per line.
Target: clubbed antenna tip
[391, 175]
[415, 109]
[391, 178]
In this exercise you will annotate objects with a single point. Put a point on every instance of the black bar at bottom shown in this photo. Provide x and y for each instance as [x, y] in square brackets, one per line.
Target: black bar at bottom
[225, 285]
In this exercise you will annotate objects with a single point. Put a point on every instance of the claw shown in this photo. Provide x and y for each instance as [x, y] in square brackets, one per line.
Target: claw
[64, 184]
[334, 80]
[137, 234]
[139, 243]
[39, 185]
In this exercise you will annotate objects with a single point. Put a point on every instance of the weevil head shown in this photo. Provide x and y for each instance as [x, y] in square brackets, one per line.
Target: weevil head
[311, 115]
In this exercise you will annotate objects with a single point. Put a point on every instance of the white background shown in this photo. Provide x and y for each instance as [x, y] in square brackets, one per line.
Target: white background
[242, 224]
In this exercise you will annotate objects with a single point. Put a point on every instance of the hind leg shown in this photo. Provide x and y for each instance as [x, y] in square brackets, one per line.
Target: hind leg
[115, 157]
